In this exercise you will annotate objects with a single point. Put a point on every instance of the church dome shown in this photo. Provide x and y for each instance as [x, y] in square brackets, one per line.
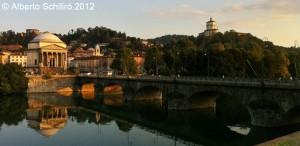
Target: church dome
[48, 132]
[46, 37]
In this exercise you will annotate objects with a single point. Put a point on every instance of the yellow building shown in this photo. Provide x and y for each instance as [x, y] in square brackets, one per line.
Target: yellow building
[4, 57]
[46, 54]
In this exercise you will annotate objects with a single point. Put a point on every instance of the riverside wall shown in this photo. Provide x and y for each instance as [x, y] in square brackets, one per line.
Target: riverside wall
[37, 84]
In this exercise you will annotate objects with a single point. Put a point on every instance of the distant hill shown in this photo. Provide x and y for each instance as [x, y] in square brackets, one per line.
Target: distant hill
[167, 39]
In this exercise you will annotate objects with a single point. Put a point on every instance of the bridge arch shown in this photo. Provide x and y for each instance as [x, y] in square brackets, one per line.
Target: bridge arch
[175, 100]
[264, 111]
[203, 100]
[292, 116]
[112, 88]
[148, 93]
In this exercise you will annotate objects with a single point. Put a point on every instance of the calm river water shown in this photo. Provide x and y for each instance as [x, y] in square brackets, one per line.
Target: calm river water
[109, 120]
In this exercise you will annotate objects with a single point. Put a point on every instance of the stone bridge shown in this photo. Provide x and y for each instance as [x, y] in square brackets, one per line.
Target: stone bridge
[268, 104]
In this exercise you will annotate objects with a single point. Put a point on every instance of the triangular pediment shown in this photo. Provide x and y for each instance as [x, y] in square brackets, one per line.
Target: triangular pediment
[53, 47]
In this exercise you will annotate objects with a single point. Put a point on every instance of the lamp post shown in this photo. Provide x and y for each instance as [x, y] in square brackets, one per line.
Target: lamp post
[208, 62]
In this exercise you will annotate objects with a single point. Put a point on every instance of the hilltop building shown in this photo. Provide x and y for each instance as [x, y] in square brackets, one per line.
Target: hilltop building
[211, 28]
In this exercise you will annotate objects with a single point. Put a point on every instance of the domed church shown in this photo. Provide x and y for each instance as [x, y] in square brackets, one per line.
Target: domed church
[211, 27]
[47, 54]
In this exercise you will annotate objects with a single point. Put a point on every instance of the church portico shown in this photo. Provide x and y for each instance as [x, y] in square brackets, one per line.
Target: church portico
[53, 59]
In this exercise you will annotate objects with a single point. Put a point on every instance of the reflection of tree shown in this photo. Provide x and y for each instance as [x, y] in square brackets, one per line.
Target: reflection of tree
[81, 116]
[12, 109]
[124, 126]
[230, 109]
[150, 110]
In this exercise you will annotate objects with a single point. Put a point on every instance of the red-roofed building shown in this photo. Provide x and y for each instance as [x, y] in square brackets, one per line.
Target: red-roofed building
[11, 48]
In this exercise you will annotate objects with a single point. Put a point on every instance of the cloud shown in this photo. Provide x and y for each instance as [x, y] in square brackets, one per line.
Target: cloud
[271, 9]
[275, 8]
[184, 11]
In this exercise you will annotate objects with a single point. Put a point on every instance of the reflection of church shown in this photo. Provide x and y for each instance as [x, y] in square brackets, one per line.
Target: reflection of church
[46, 119]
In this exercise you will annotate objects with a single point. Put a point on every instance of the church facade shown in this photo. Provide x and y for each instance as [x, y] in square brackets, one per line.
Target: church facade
[46, 54]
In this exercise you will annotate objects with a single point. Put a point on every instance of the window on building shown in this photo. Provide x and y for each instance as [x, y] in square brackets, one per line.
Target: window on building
[35, 62]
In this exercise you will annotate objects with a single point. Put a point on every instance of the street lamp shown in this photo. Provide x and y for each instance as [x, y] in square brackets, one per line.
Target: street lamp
[208, 63]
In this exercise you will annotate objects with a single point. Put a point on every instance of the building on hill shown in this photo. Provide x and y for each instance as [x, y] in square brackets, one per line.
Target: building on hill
[46, 54]
[91, 61]
[18, 58]
[93, 64]
[80, 52]
[211, 28]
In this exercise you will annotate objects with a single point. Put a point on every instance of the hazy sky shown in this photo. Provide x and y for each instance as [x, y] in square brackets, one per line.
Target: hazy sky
[278, 20]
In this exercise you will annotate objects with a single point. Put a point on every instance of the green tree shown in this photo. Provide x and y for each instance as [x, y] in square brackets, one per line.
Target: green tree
[12, 79]
[124, 62]
[153, 61]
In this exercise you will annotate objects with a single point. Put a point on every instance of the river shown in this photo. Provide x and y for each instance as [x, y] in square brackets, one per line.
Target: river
[109, 120]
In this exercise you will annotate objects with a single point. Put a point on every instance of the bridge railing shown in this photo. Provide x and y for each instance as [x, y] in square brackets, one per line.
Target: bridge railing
[212, 80]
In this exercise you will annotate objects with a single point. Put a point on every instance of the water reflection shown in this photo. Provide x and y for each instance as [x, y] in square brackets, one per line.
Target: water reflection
[108, 119]
[206, 118]
[46, 117]
[12, 109]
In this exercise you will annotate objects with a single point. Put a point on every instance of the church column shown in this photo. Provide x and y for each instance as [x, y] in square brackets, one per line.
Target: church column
[59, 59]
[66, 60]
[63, 59]
[52, 61]
[42, 59]
[47, 60]
[56, 60]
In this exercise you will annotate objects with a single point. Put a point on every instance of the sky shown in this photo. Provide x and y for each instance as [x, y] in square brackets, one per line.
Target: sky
[276, 20]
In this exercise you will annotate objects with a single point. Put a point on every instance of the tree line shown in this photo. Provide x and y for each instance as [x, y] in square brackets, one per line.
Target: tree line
[231, 54]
